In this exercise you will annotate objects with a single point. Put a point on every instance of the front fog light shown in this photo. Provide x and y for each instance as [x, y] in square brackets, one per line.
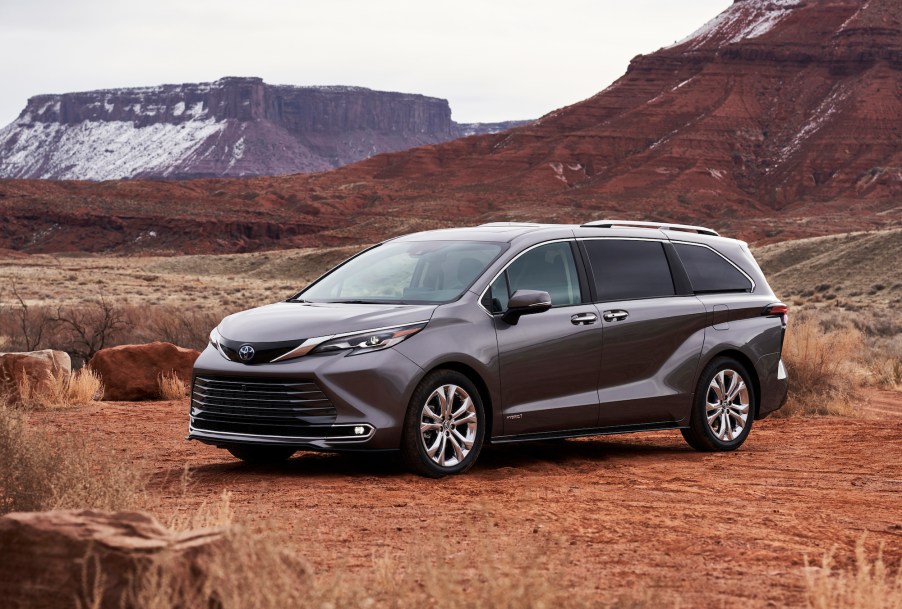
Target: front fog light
[360, 431]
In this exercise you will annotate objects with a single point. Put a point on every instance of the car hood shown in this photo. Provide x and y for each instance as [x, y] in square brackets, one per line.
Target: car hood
[287, 321]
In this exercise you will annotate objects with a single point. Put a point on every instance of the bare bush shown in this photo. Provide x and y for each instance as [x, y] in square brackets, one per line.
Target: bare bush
[870, 584]
[43, 472]
[824, 368]
[88, 329]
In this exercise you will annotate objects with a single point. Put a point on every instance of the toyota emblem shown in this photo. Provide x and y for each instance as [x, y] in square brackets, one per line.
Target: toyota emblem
[246, 353]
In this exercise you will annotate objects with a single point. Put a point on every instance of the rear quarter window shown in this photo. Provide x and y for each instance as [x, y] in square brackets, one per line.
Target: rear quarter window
[708, 271]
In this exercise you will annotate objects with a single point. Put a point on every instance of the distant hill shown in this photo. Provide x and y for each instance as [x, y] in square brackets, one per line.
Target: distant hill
[778, 119]
[231, 127]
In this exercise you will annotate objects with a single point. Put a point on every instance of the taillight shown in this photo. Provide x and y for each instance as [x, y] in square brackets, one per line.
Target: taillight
[778, 308]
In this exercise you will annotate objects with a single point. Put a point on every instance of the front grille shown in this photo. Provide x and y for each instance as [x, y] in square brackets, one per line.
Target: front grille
[260, 406]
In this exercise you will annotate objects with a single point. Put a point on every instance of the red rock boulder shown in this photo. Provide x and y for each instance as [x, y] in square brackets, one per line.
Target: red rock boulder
[39, 368]
[132, 372]
[53, 559]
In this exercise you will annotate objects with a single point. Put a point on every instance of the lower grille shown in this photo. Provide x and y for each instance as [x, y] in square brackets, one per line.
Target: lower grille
[260, 406]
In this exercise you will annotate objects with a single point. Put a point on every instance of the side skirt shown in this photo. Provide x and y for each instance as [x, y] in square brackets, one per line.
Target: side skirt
[581, 433]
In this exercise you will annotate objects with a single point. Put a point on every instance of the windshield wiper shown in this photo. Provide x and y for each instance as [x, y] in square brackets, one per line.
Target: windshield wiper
[361, 302]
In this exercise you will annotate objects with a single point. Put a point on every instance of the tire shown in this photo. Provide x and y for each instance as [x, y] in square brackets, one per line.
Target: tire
[260, 455]
[721, 424]
[432, 443]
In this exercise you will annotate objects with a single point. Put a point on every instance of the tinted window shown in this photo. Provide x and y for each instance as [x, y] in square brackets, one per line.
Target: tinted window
[624, 270]
[709, 271]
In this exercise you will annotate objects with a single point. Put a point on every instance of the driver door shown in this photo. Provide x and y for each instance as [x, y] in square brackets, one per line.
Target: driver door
[550, 361]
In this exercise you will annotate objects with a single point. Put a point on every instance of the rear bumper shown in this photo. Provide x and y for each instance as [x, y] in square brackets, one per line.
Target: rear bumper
[774, 384]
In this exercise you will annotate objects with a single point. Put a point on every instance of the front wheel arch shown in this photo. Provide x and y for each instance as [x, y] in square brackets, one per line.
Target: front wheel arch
[481, 386]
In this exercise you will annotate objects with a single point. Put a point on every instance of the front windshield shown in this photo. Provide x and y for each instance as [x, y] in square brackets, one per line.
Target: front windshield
[415, 272]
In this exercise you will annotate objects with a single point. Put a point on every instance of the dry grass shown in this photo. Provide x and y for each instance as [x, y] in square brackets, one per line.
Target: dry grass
[257, 570]
[43, 472]
[81, 387]
[824, 368]
[870, 584]
[172, 387]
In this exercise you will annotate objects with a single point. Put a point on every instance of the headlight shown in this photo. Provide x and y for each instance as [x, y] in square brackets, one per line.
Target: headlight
[366, 342]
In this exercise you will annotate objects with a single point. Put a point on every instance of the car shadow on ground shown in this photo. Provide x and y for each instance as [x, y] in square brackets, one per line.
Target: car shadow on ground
[526, 456]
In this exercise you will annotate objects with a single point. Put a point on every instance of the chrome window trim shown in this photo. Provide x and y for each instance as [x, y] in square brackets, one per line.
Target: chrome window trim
[194, 432]
[514, 259]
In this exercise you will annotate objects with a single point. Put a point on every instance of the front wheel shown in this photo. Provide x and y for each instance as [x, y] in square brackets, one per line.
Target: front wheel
[723, 410]
[445, 425]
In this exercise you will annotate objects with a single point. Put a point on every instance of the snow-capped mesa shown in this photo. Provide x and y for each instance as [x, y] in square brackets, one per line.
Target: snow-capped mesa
[231, 127]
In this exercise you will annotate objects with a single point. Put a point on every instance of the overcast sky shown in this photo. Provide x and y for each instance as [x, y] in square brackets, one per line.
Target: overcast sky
[492, 59]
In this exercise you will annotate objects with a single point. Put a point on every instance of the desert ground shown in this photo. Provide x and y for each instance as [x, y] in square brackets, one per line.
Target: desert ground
[632, 517]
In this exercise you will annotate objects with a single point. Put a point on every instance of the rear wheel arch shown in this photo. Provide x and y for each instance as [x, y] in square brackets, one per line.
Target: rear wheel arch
[743, 359]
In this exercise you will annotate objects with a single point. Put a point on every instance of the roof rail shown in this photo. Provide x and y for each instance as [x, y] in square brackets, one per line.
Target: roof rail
[701, 230]
[504, 224]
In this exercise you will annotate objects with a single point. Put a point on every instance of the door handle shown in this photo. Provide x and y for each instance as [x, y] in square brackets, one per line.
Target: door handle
[583, 319]
[615, 315]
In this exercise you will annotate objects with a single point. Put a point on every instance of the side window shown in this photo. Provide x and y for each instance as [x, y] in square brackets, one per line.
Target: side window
[624, 270]
[496, 297]
[549, 268]
[709, 271]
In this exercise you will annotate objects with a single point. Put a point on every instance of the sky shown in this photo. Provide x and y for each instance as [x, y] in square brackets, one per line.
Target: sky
[492, 60]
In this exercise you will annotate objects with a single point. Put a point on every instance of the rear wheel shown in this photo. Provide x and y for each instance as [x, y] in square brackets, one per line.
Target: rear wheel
[261, 454]
[445, 425]
[723, 410]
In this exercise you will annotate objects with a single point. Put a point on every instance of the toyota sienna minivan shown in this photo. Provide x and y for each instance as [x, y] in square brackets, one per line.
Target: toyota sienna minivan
[439, 342]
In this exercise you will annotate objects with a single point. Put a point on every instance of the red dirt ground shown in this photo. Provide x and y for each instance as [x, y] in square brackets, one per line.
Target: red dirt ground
[615, 513]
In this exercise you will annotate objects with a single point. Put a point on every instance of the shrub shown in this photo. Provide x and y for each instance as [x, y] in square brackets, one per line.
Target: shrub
[823, 367]
[43, 472]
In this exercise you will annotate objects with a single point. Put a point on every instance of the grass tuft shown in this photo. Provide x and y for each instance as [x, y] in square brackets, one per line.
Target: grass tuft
[870, 584]
[172, 387]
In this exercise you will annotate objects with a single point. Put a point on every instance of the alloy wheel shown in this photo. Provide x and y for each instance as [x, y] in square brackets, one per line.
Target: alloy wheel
[448, 425]
[727, 405]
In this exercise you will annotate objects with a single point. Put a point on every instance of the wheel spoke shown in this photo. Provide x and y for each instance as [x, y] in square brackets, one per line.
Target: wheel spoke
[450, 391]
[727, 426]
[429, 427]
[427, 411]
[467, 403]
[736, 390]
[470, 418]
[431, 450]
[441, 451]
[458, 453]
[713, 418]
[468, 444]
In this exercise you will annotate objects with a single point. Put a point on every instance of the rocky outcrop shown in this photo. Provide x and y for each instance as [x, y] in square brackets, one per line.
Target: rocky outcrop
[133, 372]
[231, 127]
[50, 560]
[778, 119]
[38, 368]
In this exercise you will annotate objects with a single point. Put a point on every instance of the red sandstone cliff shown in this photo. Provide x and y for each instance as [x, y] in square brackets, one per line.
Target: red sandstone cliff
[779, 118]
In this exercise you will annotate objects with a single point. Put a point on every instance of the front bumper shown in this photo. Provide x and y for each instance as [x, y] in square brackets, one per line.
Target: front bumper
[369, 391]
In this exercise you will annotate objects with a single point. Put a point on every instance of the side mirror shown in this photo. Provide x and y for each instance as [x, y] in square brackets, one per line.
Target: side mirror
[526, 302]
